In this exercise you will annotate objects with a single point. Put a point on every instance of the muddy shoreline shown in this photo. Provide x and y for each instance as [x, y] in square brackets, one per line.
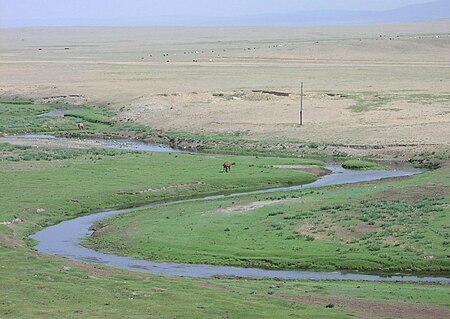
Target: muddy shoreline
[398, 152]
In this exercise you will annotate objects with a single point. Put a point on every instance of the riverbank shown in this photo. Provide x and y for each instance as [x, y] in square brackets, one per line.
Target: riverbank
[24, 117]
[294, 230]
[431, 155]
[83, 180]
[371, 92]
[68, 236]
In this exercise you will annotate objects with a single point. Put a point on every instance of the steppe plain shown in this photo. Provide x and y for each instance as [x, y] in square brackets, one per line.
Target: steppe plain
[373, 85]
[376, 90]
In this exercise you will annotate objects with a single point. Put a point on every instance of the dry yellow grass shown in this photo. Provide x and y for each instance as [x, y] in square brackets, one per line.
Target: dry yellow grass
[397, 75]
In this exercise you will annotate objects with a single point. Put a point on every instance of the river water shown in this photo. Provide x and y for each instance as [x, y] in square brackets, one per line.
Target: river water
[123, 144]
[65, 238]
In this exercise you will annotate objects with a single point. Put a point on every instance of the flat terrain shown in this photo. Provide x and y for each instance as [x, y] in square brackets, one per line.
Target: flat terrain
[393, 226]
[369, 90]
[377, 85]
[49, 185]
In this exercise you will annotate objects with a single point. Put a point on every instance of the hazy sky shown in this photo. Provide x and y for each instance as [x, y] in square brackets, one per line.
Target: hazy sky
[16, 13]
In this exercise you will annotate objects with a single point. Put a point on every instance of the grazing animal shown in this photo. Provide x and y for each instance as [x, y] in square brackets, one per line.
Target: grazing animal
[227, 166]
[80, 126]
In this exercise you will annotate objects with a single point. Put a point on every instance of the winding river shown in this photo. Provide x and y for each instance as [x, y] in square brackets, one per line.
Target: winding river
[65, 238]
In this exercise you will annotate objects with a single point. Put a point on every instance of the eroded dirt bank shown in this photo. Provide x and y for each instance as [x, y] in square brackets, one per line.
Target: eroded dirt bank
[402, 152]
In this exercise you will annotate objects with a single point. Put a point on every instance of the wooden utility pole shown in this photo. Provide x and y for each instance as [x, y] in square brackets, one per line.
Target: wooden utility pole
[300, 115]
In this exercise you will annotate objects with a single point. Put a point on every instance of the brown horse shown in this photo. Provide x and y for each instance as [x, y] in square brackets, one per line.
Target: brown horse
[80, 126]
[227, 166]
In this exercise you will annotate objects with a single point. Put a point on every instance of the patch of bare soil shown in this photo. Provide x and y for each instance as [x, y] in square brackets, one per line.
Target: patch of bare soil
[8, 241]
[154, 190]
[51, 143]
[313, 169]
[313, 230]
[375, 309]
[357, 231]
[246, 207]
[337, 232]
[71, 99]
[261, 116]
[412, 194]
[11, 222]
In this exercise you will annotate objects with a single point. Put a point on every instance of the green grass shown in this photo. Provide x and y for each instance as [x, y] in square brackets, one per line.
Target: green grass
[39, 287]
[369, 101]
[7, 148]
[308, 229]
[26, 117]
[17, 153]
[18, 117]
[93, 115]
[42, 187]
[95, 179]
[430, 160]
[360, 165]
[36, 285]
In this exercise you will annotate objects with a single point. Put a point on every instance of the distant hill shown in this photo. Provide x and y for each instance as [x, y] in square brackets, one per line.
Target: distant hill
[412, 13]
[419, 12]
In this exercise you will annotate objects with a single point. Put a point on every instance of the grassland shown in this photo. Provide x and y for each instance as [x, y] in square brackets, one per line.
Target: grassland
[24, 116]
[369, 101]
[367, 85]
[125, 177]
[359, 228]
[42, 190]
[54, 185]
[38, 286]
[28, 117]
[362, 227]
[51, 185]
[361, 90]
[360, 165]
